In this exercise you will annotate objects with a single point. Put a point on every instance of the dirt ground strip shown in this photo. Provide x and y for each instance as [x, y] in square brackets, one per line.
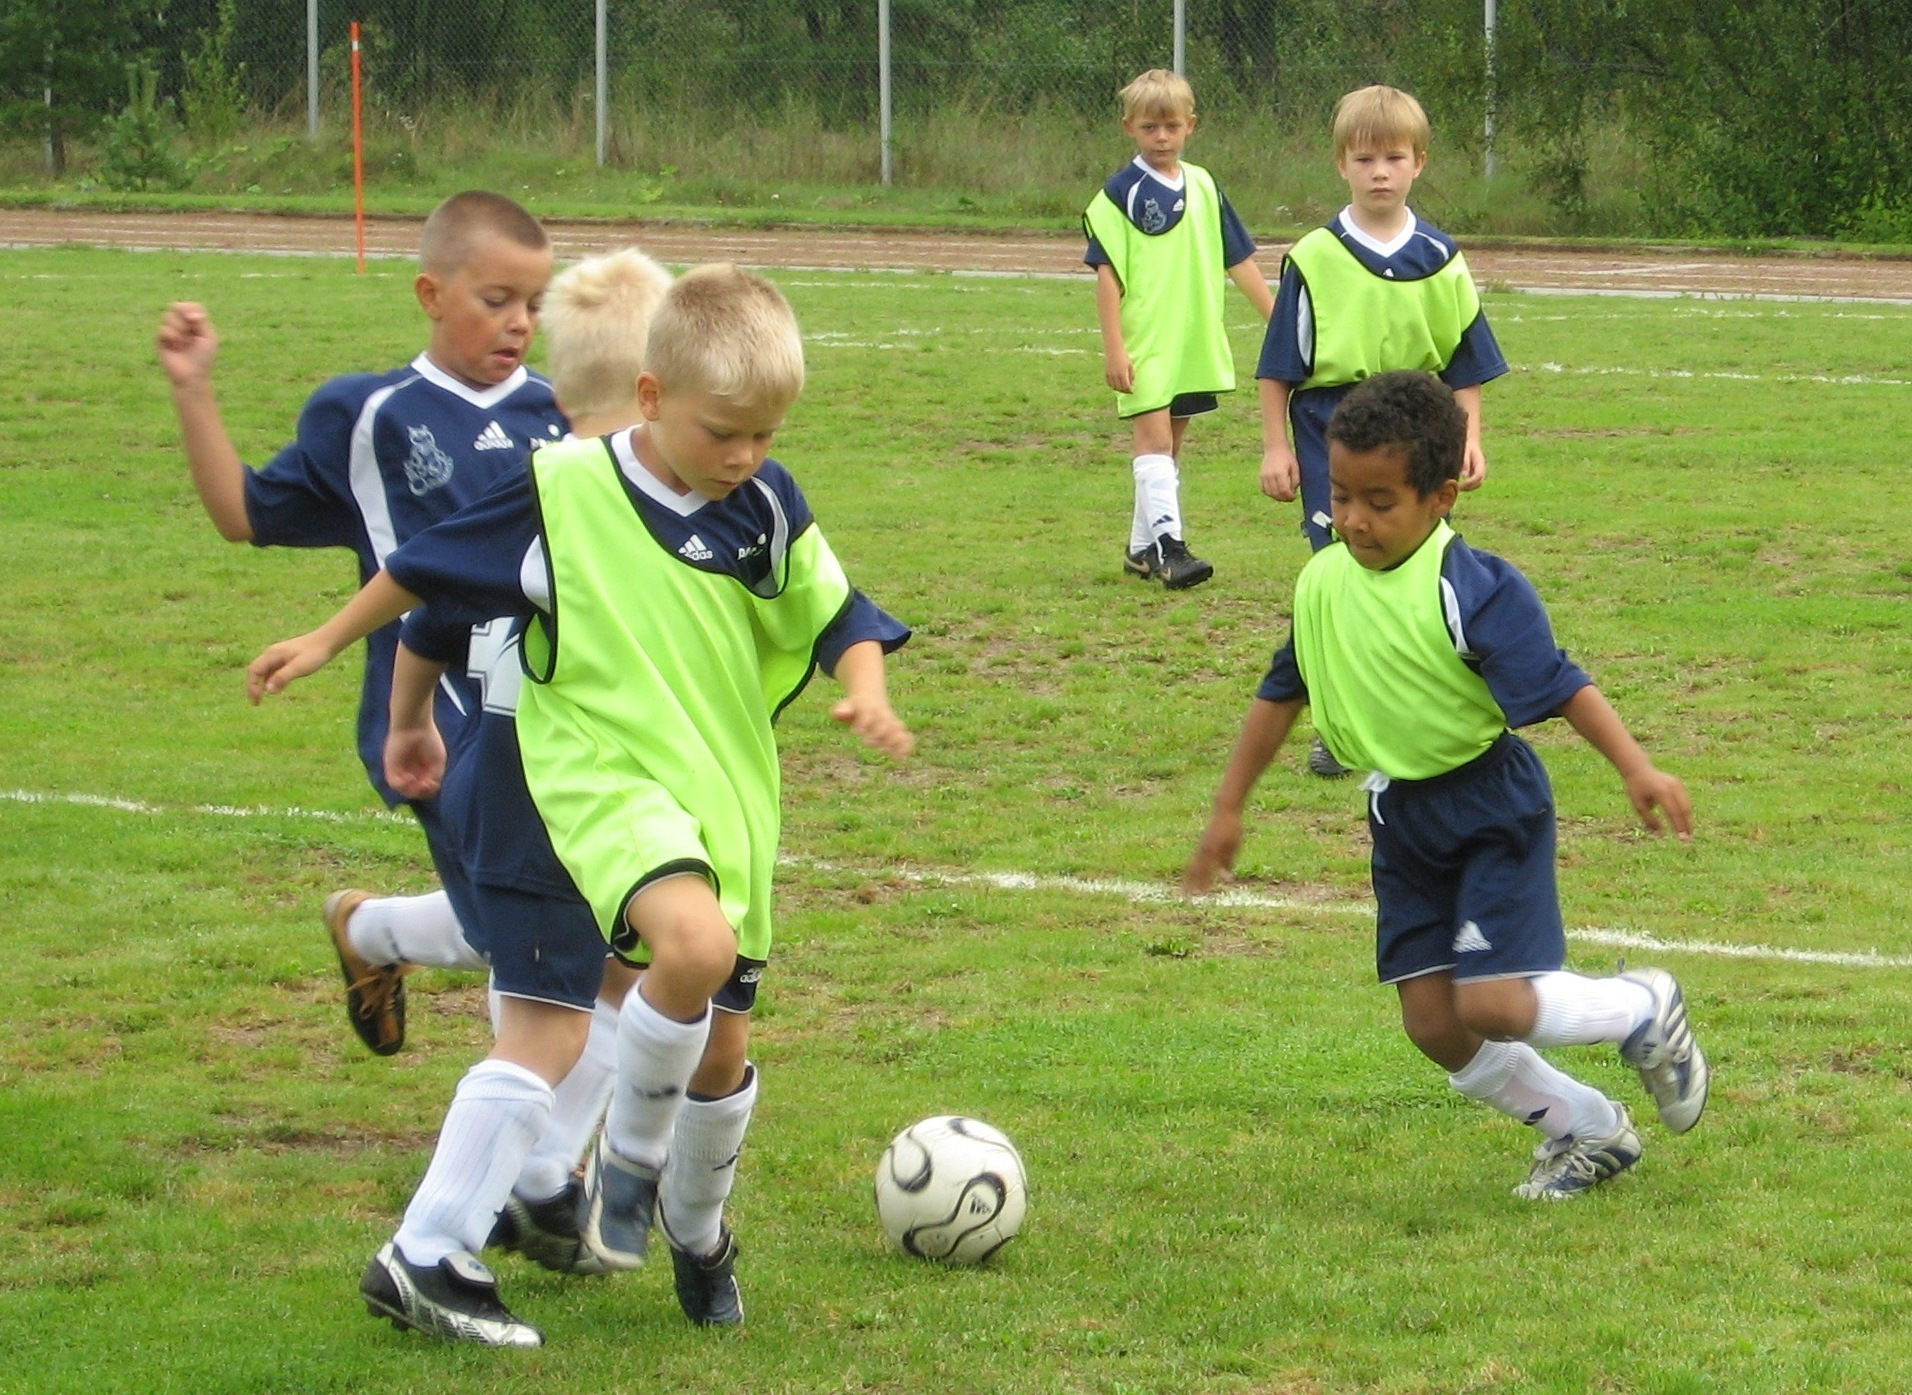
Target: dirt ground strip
[1643, 271]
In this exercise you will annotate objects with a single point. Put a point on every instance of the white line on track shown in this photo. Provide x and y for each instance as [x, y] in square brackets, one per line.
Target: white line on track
[1135, 892]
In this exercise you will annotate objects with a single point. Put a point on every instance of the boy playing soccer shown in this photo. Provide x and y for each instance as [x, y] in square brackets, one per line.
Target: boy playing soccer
[378, 458]
[1417, 655]
[1376, 289]
[1161, 237]
[675, 594]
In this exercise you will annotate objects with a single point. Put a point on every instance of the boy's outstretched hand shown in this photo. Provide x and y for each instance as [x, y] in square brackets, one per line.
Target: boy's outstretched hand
[285, 661]
[876, 724]
[1214, 859]
[187, 343]
[1653, 793]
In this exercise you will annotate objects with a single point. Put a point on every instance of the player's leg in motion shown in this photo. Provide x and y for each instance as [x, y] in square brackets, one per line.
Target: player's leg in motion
[662, 1030]
[540, 1218]
[701, 1171]
[380, 939]
[429, 1276]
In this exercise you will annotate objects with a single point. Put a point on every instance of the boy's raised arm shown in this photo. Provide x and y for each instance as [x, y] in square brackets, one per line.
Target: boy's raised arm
[380, 602]
[1262, 731]
[1649, 788]
[865, 705]
[187, 346]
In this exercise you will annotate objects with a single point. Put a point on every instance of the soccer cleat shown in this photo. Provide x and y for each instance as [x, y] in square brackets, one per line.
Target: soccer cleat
[1322, 762]
[546, 1232]
[1179, 568]
[1662, 1049]
[707, 1287]
[1565, 1167]
[1140, 561]
[616, 1207]
[456, 1299]
[374, 993]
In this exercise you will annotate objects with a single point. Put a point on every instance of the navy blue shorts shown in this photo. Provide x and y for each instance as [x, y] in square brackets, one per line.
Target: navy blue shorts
[1463, 871]
[1193, 404]
[445, 860]
[539, 945]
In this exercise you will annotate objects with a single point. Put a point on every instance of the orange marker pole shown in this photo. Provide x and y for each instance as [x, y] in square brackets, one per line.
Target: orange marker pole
[358, 152]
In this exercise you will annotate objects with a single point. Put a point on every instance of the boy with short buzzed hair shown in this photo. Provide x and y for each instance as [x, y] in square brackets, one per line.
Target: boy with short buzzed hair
[676, 594]
[1161, 239]
[1418, 655]
[378, 458]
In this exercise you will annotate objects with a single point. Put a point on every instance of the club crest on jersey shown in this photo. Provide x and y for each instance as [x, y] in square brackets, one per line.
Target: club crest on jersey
[1153, 220]
[427, 467]
[493, 437]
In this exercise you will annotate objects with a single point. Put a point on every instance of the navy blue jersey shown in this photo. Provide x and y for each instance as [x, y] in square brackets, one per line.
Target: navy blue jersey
[380, 457]
[1287, 349]
[1154, 205]
[1500, 630]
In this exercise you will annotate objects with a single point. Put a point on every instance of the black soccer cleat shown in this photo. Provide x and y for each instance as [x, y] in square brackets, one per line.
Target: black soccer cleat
[546, 1232]
[455, 1300]
[1321, 762]
[707, 1287]
[1179, 568]
[1140, 561]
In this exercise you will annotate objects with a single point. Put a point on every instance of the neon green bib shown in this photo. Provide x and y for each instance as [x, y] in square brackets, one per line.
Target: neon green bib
[1387, 689]
[1173, 289]
[654, 683]
[1366, 324]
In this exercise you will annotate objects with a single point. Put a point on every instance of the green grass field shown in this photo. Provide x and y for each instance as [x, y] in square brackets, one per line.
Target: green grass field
[1243, 1177]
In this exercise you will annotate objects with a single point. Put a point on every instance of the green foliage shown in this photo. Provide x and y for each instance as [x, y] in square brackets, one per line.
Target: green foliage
[1244, 1180]
[136, 147]
[213, 94]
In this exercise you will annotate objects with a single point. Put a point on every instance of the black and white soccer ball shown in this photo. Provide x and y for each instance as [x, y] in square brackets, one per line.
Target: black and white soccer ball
[951, 1189]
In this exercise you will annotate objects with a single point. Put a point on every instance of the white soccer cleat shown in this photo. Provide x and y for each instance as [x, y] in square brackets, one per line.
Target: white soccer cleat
[1564, 1168]
[1662, 1049]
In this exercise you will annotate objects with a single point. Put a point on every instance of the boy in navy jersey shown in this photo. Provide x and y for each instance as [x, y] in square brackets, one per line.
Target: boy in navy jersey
[379, 457]
[1418, 655]
[1377, 289]
[1161, 236]
[674, 593]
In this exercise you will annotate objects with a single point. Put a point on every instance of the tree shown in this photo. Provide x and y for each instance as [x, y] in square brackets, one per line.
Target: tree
[63, 66]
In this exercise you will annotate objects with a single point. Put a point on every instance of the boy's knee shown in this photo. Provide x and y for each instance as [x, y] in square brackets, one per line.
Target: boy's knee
[1500, 1009]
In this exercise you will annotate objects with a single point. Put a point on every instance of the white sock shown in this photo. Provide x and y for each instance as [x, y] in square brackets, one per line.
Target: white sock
[494, 1118]
[1576, 1011]
[1158, 496]
[1513, 1078]
[655, 1058]
[411, 930]
[577, 1110]
[703, 1167]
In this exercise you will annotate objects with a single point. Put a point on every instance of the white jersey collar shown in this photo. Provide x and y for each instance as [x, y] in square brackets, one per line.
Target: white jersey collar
[1181, 175]
[683, 505]
[487, 398]
[1380, 249]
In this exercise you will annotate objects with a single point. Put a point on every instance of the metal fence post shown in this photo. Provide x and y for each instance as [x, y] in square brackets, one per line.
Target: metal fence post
[603, 80]
[312, 69]
[883, 81]
[1487, 131]
[1181, 37]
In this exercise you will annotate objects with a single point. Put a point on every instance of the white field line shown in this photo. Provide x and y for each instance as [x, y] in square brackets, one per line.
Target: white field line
[1135, 892]
[1828, 379]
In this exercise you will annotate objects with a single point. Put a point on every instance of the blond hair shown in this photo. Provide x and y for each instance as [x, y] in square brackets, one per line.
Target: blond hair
[1158, 92]
[728, 332]
[597, 317]
[1373, 117]
[458, 224]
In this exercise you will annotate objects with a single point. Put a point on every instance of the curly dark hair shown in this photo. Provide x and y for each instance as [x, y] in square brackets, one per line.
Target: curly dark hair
[1414, 411]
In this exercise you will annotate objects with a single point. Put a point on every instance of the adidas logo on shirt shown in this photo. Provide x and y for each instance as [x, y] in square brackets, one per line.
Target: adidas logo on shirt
[493, 437]
[695, 550]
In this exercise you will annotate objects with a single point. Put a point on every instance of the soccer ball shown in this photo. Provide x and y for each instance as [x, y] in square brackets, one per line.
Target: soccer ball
[951, 1189]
